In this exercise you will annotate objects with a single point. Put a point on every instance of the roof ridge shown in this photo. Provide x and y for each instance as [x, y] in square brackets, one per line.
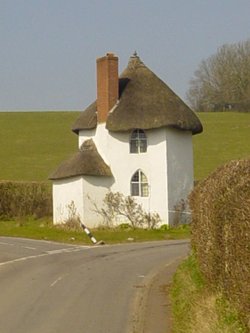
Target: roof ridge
[134, 61]
[85, 162]
[88, 145]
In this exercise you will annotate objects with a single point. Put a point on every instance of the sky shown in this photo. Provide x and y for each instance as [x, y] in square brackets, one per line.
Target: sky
[48, 48]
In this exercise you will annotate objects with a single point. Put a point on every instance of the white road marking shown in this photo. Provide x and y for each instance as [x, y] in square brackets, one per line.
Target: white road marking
[71, 249]
[25, 247]
[3, 243]
[57, 280]
[29, 247]
[47, 253]
[23, 259]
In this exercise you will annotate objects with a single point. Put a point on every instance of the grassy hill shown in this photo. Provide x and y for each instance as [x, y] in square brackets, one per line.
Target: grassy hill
[226, 136]
[32, 144]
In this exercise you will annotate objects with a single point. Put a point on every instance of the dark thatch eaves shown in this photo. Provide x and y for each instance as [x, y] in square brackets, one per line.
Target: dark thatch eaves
[87, 119]
[85, 162]
[145, 102]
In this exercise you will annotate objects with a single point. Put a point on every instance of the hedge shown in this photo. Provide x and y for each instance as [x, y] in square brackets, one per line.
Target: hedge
[220, 232]
[19, 199]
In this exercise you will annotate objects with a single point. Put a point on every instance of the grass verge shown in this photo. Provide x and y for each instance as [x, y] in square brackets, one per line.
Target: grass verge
[196, 309]
[44, 229]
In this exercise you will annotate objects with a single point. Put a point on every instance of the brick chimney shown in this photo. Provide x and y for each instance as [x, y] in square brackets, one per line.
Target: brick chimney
[107, 85]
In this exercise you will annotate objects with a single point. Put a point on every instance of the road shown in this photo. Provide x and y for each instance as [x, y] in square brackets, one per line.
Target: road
[48, 287]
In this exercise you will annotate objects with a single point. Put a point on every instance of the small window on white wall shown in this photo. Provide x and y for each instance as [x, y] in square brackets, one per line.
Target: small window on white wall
[138, 142]
[139, 184]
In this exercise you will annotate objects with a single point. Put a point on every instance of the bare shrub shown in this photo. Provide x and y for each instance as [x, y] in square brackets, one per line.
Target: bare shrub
[70, 225]
[73, 222]
[151, 220]
[116, 205]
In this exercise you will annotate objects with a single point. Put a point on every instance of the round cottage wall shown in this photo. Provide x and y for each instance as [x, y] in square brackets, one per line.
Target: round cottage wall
[114, 149]
[179, 173]
[168, 165]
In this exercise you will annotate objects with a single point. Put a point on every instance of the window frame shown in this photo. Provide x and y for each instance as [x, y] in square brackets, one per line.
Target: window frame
[138, 142]
[139, 186]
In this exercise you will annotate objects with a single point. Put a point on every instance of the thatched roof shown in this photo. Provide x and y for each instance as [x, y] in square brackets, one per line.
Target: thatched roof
[85, 162]
[145, 102]
[87, 119]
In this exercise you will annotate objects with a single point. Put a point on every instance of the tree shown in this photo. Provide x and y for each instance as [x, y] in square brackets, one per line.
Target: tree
[223, 80]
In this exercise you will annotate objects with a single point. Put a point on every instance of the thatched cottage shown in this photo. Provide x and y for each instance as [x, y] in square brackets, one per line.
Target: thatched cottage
[136, 139]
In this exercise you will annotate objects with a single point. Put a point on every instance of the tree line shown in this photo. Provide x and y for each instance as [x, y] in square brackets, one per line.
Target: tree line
[222, 82]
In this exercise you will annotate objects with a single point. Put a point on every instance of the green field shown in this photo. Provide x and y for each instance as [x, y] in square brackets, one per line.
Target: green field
[34, 143]
[226, 136]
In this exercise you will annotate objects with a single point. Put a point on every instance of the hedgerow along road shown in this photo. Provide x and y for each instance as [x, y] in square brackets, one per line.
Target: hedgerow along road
[51, 287]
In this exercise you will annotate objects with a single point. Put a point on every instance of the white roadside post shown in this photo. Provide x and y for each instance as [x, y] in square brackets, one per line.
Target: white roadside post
[92, 238]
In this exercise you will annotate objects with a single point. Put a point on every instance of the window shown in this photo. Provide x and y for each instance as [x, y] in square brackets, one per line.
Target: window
[138, 142]
[139, 184]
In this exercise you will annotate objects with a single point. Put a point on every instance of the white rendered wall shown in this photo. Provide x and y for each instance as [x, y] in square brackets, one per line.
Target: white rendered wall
[180, 169]
[85, 135]
[95, 190]
[114, 148]
[65, 192]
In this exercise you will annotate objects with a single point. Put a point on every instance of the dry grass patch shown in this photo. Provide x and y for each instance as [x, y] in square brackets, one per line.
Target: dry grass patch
[198, 309]
[212, 313]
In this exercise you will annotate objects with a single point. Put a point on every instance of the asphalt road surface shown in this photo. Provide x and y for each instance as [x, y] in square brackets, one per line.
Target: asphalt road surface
[47, 287]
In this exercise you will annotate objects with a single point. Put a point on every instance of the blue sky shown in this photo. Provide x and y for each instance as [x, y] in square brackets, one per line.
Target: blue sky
[48, 48]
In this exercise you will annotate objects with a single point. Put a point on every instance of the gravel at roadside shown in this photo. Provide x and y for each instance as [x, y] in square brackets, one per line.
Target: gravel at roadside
[152, 307]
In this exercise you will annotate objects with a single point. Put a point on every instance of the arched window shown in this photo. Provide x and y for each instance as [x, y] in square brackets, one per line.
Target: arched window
[139, 184]
[138, 142]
